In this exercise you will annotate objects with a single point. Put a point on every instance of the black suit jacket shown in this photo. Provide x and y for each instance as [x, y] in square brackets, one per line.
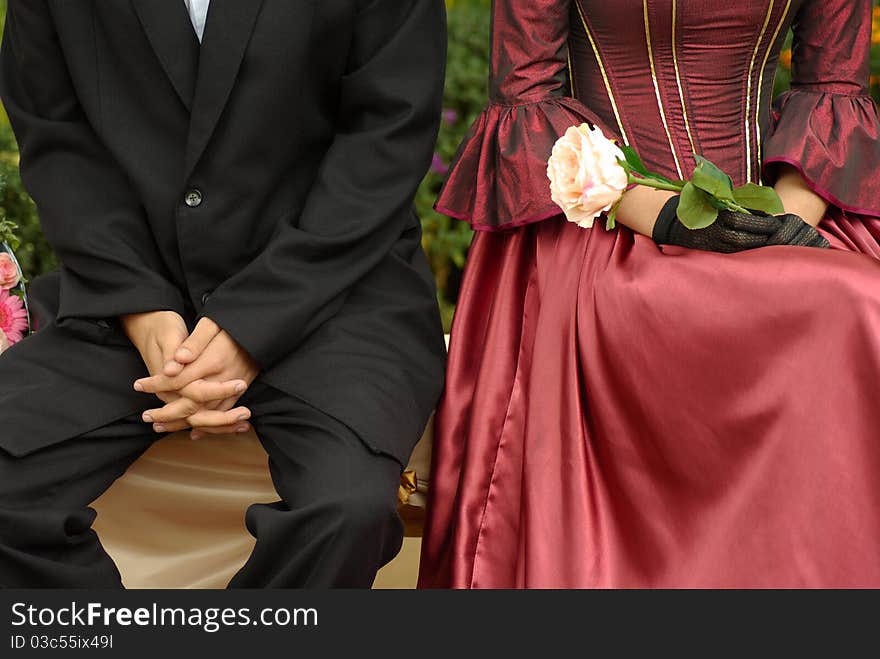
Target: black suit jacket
[263, 179]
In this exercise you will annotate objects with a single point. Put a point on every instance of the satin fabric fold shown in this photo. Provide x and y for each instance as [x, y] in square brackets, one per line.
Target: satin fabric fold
[569, 455]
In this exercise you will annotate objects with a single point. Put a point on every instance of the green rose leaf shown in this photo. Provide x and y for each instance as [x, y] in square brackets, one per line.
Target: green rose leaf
[711, 179]
[8, 234]
[758, 198]
[635, 167]
[634, 160]
[696, 210]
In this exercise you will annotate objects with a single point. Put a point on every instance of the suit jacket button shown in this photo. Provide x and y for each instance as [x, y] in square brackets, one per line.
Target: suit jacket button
[193, 198]
[103, 323]
[205, 298]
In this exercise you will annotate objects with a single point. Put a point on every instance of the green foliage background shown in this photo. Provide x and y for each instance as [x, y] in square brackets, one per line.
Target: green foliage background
[34, 254]
[446, 241]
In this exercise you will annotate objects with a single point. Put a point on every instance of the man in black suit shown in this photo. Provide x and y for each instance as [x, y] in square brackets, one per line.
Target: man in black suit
[239, 249]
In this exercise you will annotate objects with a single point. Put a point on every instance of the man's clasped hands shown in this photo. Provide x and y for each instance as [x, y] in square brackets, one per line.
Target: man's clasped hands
[199, 377]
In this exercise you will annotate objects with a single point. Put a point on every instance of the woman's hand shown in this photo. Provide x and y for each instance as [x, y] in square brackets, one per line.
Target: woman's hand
[207, 359]
[640, 208]
[735, 232]
[797, 197]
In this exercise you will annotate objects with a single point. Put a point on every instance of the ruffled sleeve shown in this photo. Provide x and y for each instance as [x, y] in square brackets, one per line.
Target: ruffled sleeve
[827, 126]
[498, 179]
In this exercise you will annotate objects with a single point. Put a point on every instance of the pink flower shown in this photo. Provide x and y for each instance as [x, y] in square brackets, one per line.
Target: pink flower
[586, 178]
[438, 166]
[4, 342]
[13, 317]
[8, 272]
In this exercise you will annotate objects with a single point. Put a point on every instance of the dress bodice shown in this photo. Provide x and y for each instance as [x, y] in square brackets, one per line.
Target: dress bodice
[674, 79]
[677, 78]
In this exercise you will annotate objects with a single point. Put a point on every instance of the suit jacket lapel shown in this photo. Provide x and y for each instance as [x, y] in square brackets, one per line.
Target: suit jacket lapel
[171, 34]
[227, 33]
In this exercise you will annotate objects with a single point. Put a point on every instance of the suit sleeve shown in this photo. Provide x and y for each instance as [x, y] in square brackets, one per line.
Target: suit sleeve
[362, 198]
[86, 205]
[827, 124]
[498, 179]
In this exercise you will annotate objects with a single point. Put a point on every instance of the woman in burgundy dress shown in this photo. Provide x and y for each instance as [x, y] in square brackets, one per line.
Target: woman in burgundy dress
[625, 412]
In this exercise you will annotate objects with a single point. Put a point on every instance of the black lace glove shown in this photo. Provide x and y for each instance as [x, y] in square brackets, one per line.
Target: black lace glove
[736, 232]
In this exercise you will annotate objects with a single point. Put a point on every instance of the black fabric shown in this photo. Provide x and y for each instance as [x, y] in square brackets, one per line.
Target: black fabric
[794, 231]
[735, 232]
[335, 524]
[43, 299]
[305, 127]
[667, 217]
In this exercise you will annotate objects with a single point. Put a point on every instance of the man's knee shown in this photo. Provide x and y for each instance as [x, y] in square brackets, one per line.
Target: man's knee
[363, 510]
[23, 526]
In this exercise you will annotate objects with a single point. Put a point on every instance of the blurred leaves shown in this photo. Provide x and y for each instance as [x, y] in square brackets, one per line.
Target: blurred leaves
[445, 240]
[16, 207]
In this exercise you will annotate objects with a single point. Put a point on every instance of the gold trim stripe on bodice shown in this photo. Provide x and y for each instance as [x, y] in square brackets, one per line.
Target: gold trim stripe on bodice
[687, 123]
[657, 89]
[748, 119]
[751, 116]
[660, 106]
[604, 73]
[761, 84]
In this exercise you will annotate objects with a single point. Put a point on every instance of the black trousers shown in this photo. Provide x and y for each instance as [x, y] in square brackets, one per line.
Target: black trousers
[335, 525]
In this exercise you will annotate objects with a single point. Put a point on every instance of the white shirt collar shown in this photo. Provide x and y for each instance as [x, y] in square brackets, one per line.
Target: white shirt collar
[198, 13]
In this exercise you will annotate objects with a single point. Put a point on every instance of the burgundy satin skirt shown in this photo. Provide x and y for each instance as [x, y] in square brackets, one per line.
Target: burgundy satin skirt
[623, 415]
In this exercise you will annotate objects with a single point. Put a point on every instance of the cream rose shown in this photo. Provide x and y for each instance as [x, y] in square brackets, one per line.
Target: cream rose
[8, 272]
[586, 178]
